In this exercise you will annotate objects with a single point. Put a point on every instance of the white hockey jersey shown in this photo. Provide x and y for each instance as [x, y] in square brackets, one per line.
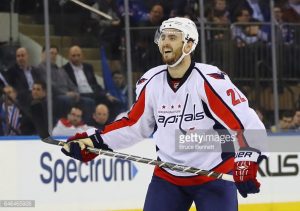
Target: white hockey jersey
[204, 98]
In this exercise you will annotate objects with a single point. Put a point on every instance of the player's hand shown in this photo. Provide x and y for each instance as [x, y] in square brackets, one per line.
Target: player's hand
[76, 146]
[245, 171]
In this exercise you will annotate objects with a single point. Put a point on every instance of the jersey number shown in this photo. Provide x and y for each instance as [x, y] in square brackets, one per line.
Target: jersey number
[235, 99]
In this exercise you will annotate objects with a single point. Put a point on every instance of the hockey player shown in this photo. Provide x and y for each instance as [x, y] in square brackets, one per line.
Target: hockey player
[184, 96]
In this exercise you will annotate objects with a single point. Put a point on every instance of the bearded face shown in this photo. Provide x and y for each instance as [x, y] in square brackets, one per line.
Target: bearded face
[170, 46]
[171, 54]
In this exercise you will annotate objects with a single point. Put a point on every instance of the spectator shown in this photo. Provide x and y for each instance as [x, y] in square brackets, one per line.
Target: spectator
[218, 15]
[65, 92]
[296, 120]
[38, 95]
[285, 123]
[155, 17]
[218, 12]
[259, 9]
[217, 34]
[10, 113]
[83, 76]
[71, 125]
[284, 33]
[121, 85]
[22, 76]
[167, 5]
[100, 117]
[38, 92]
[245, 31]
[145, 50]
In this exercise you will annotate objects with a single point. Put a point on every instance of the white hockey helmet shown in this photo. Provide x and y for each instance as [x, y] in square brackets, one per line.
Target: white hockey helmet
[185, 25]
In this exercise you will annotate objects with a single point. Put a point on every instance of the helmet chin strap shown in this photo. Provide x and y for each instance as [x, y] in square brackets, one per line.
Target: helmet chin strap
[182, 56]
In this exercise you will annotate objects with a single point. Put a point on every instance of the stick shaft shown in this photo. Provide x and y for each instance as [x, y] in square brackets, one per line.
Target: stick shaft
[171, 166]
[92, 9]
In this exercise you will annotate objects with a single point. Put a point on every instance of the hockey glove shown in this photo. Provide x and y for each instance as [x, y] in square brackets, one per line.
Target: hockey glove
[245, 170]
[76, 146]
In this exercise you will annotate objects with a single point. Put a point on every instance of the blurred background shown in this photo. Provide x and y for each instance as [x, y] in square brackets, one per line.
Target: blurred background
[255, 42]
[83, 67]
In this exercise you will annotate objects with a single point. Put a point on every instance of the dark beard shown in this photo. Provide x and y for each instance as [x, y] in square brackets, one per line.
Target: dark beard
[172, 60]
[169, 61]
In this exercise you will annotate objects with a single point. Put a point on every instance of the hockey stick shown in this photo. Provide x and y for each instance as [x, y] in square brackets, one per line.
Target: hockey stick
[45, 137]
[92, 9]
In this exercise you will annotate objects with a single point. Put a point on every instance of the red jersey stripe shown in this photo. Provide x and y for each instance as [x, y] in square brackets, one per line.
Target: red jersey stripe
[224, 113]
[224, 167]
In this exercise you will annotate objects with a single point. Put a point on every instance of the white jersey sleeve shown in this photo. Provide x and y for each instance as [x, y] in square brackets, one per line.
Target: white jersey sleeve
[230, 107]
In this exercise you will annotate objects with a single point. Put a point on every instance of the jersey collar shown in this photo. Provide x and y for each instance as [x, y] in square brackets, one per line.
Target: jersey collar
[182, 80]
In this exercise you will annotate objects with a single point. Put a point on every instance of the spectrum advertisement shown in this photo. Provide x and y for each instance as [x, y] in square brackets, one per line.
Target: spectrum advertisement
[35, 172]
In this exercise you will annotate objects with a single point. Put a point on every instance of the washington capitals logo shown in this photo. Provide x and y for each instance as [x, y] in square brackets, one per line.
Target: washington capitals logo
[220, 75]
[142, 80]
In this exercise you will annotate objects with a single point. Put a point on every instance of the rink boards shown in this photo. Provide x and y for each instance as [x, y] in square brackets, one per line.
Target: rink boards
[32, 170]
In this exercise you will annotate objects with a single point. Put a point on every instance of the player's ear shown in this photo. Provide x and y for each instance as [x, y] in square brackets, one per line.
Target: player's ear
[188, 47]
